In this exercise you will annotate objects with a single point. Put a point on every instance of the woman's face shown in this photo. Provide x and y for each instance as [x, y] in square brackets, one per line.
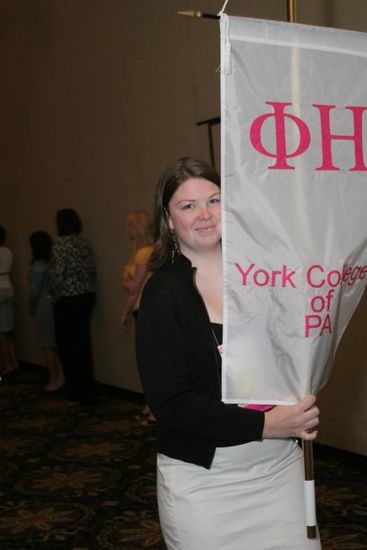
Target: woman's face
[195, 215]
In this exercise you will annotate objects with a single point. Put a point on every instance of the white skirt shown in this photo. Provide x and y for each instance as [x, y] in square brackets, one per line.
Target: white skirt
[252, 498]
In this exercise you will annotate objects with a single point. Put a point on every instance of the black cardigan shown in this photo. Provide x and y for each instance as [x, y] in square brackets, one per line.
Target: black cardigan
[180, 371]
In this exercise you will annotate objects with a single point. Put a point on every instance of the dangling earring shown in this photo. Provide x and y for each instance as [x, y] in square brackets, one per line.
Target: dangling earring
[175, 248]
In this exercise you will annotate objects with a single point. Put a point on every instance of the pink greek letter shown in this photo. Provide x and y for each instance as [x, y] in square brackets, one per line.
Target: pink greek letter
[281, 155]
[327, 137]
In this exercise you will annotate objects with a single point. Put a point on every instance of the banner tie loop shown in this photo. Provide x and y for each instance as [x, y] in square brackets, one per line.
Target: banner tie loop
[222, 10]
[226, 65]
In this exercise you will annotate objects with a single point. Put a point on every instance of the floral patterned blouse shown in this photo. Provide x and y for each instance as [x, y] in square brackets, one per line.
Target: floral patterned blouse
[72, 267]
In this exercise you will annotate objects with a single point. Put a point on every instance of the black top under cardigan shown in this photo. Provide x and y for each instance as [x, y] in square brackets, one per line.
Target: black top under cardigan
[180, 371]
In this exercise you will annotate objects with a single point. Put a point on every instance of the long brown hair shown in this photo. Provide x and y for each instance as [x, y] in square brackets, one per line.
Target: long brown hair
[41, 245]
[175, 175]
[143, 222]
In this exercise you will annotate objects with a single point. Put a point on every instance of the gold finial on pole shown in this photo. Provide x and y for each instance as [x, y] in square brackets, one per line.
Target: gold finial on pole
[292, 11]
[191, 13]
[198, 13]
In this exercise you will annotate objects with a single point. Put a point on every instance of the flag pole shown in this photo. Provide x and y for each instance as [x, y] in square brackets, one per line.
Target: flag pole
[292, 11]
[307, 446]
[199, 14]
[309, 489]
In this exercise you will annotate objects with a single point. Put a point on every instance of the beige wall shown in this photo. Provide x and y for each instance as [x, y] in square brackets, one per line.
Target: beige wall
[96, 97]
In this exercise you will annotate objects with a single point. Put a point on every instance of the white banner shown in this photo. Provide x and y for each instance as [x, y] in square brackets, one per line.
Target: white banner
[294, 176]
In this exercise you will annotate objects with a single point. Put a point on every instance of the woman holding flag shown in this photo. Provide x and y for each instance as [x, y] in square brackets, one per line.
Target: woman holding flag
[229, 477]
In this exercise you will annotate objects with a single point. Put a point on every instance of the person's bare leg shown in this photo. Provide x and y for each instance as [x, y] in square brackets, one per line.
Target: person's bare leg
[3, 363]
[8, 353]
[11, 351]
[56, 374]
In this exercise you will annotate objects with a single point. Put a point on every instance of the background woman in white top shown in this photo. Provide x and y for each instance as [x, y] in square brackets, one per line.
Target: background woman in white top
[8, 360]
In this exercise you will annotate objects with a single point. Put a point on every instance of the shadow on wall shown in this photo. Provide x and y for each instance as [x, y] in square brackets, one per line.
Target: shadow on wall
[342, 401]
[328, 15]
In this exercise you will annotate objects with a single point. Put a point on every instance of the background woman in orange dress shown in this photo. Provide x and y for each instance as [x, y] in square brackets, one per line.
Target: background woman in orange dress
[135, 274]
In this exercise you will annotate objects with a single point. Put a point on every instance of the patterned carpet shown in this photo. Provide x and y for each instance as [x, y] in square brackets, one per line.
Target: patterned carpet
[74, 478]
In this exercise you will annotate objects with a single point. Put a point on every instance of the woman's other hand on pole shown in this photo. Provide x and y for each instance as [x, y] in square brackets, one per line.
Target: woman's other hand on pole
[299, 420]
